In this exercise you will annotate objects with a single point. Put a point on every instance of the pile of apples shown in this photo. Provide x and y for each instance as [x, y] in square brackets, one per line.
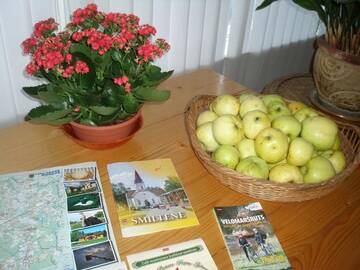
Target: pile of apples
[268, 138]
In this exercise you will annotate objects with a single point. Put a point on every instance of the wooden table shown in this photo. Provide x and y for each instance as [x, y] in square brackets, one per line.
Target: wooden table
[318, 234]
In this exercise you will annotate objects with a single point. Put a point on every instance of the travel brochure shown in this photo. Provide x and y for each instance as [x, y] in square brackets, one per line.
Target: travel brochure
[191, 255]
[249, 238]
[65, 226]
[149, 197]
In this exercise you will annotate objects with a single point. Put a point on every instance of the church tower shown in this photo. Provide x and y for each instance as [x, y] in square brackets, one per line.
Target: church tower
[139, 183]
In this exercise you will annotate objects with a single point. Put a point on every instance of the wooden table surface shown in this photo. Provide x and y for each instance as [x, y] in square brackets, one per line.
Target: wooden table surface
[318, 234]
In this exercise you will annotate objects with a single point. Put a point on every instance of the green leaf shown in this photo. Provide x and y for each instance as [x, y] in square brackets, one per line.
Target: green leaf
[87, 122]
[81, 48]
[130, 104]
[265, 3]
[33, 91]
[154, 76]
[60, 121]
[314, 6]
[151, 94]
[46, 114]
[116, 56]
[49, 76]
[306, 4]
[51, 97]
[104, 110]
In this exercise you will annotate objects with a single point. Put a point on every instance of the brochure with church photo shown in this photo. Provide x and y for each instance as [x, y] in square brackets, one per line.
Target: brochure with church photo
[190, 255]
[149, 197]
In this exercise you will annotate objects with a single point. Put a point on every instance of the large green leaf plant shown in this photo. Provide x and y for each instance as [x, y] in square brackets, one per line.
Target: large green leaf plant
[341, 19]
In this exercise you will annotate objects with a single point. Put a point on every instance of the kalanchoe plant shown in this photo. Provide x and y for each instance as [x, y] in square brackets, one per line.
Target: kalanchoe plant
[341, 19]
[98, 71]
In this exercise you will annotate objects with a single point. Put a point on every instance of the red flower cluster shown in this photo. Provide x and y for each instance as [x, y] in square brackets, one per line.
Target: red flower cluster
[149, 52]
[50, 53]
[98, 31]
[120, 21]
[146, 30]
[80, 15]
[29, 45]
[45, 28]
[124, 80]
[81, 67]
[97, 40]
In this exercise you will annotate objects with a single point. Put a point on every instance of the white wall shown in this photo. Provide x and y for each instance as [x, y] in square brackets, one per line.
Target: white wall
[229, 36]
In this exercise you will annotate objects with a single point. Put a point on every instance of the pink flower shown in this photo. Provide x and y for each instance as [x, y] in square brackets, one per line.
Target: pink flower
[80, 15]
[149, 52]
[76, 109]
[68, 72]
[78, 36]
[31, 69]
[81, 67]
[146, 30]
[68, 58]
[121, 80]
[124, 79]
[45, 28]
[29, 45]
[127, 87]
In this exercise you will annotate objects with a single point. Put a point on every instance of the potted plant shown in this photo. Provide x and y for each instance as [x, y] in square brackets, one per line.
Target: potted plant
[98, 72]
[336, 67]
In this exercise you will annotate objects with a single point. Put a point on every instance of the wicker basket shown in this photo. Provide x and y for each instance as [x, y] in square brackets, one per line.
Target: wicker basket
[267, 190]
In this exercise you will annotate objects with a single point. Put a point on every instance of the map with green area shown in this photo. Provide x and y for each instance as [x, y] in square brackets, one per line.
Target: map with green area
[34, 222]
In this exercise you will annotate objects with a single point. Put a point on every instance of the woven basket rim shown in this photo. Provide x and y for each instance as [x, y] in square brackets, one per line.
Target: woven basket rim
[351, 166]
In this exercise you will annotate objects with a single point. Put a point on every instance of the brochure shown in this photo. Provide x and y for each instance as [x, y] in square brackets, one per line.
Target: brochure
[249, 238]
[56, 218]
[191, 255]
[149, 197]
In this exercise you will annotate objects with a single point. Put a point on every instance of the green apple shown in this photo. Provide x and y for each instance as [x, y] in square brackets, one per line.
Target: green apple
[246, 148]
[319, 131]
[337, 159]
[205, 116]
[285, 173]
[254, 167]
[277, 108]
[267, 99]
[288, 124]
[304, 113]
[252, 103]
[295, 106]
[226, 155]
[318, 169]
[300, 152]
[271, 145]
[254, 122]
[225, 104]
[228, 129]
[244, 96]
[337, 143]
[205, 136]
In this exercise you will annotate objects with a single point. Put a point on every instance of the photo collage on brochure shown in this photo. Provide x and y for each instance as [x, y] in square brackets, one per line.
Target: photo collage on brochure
[90, 236]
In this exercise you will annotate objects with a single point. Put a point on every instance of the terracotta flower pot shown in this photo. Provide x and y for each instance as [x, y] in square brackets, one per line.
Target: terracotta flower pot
[337, 76]
[108, 134]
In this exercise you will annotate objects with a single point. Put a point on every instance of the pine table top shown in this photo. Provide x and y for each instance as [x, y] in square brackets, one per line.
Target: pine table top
[318, 234]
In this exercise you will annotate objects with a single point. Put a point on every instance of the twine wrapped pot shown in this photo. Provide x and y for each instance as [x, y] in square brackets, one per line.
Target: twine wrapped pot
[264, 189]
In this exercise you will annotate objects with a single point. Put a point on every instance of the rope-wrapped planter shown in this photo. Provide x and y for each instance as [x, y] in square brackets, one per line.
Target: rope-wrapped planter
[265, 189]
